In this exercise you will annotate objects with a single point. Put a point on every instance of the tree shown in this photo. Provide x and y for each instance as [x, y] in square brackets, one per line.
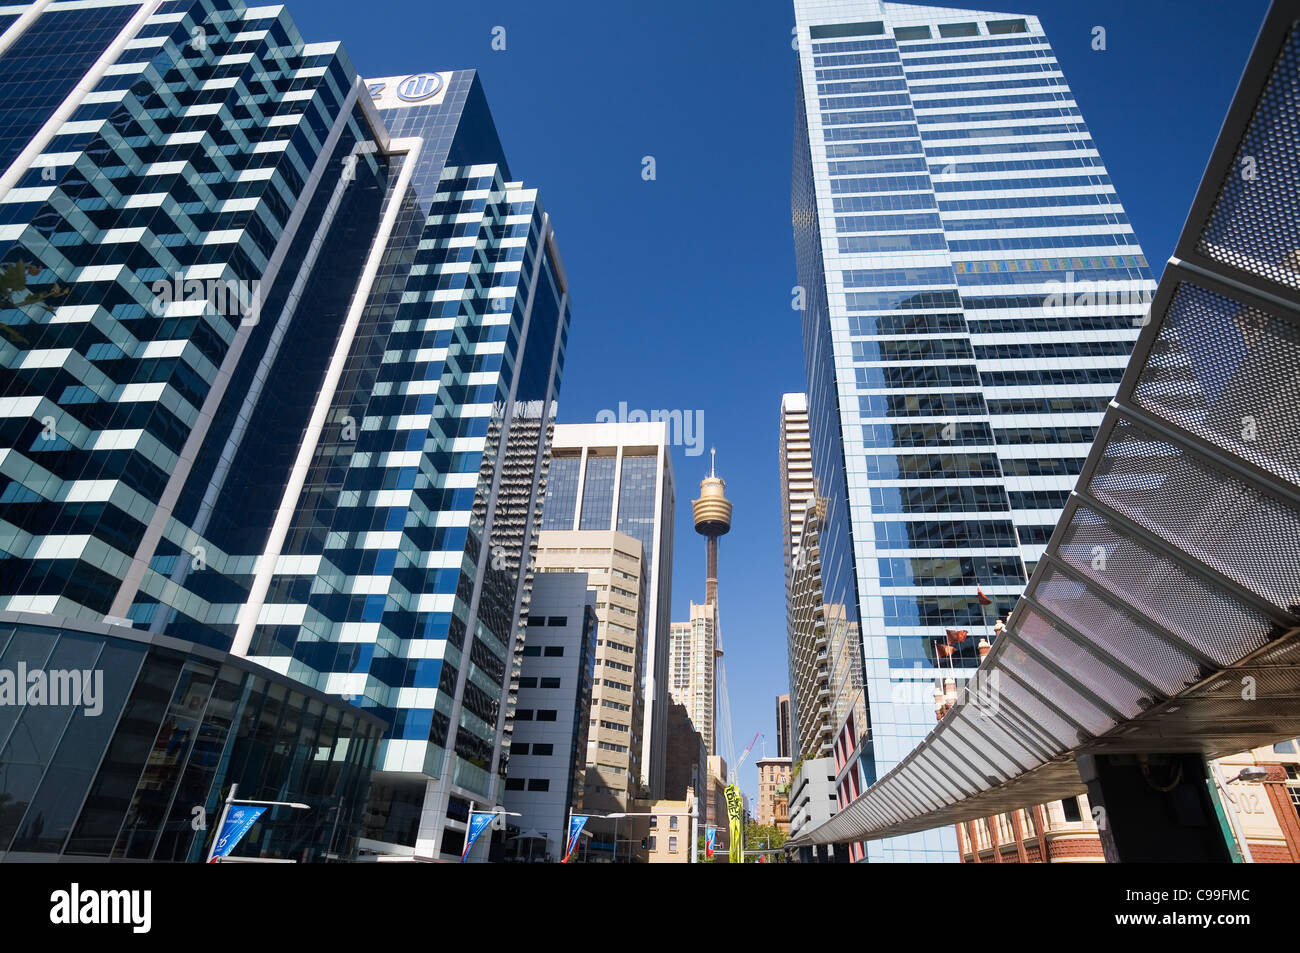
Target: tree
[764, 837]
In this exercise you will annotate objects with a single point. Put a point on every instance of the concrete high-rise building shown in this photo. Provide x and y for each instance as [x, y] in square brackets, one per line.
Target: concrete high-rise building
[797, 486]
[783, 725]
[971, 291]
[612, 562]
[548, 747]
[282, 370]
[812, 802]
[619, 476]
[692, 666]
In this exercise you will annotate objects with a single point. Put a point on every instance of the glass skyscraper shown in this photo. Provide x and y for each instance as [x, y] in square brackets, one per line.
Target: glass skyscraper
[970, 291]
[280, 354]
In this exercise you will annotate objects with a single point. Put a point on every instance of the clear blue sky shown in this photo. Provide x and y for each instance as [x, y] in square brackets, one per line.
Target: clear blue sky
[681, 286]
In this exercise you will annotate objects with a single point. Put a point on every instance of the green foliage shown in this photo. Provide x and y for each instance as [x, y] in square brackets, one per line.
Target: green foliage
[764, 837]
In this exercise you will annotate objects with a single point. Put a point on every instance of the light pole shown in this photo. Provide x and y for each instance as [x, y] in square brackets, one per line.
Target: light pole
[695, 829]
[225, 810]
[495, 812]
[1252, 773]
[693, 816]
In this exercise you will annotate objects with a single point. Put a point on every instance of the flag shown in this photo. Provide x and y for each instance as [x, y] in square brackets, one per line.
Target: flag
[735, 810]
[710, 837]
[478, 822]
[238, 822]
[576, 823]
[957, 635]
[983, 599]
[942, 651]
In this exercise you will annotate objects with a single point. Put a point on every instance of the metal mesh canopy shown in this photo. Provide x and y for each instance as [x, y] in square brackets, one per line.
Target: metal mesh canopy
[1164, 615]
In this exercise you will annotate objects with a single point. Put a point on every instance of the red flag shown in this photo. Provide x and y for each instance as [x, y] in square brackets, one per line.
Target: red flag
[957, 635]
[942, 651]
[983, 599]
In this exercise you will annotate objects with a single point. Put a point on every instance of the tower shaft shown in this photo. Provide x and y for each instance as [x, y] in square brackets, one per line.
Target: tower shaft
[711, 572]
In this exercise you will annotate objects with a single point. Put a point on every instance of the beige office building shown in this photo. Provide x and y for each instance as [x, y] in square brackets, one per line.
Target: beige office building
[619, 476]
[692, 656]
[617, 574]
[773, 793]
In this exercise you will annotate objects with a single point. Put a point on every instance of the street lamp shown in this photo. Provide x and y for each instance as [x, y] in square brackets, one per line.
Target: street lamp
[1253, 773]
[693, 815]
[1249, 773]
[231, 800]
[495, 812]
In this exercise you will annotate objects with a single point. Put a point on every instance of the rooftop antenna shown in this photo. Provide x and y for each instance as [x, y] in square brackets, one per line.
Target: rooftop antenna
[713, 461]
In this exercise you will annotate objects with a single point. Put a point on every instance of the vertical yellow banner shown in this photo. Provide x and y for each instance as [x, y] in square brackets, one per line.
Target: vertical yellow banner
[735, 815]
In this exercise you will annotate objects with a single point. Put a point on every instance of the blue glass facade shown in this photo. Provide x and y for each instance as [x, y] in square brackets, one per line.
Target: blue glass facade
[171, 726]
[281, 350]
[973, 290]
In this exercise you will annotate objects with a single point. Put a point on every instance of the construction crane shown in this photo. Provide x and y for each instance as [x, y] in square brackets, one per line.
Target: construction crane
[744, 754]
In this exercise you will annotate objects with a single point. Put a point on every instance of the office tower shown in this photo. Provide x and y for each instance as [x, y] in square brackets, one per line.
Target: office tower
[619, 476]
[783, 725]
[971, 291]
[814, 679]
[280, 332]
[805, 630]
[613, 564]
[795, 460]
[692, 662]
[548, 748]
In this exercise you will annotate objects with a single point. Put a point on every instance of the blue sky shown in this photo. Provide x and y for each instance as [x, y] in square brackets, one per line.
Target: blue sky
[681, 285]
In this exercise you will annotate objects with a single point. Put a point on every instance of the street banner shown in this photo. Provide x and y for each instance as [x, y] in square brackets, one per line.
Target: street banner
[478, 822]
[238, 822]
[735, 812]
[710, 838]
[576, 823]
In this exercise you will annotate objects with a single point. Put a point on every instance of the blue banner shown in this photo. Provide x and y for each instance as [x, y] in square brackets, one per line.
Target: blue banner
[478, 821]
[576, 823]
[238, 821]
[710, 837]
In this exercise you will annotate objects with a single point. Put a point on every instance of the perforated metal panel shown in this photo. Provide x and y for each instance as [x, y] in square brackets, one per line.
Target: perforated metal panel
[1173, 596]
[1063, 695]
[1230, 374]
[1255, 225]
[1121, 634]
[1204, 510]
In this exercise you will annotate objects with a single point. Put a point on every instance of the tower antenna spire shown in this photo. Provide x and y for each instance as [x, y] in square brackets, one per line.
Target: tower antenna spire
[713, 461]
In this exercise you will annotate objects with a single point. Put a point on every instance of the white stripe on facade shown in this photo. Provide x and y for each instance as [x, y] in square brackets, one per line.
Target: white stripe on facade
[167, 502]
[69, 105]
[311, 437]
